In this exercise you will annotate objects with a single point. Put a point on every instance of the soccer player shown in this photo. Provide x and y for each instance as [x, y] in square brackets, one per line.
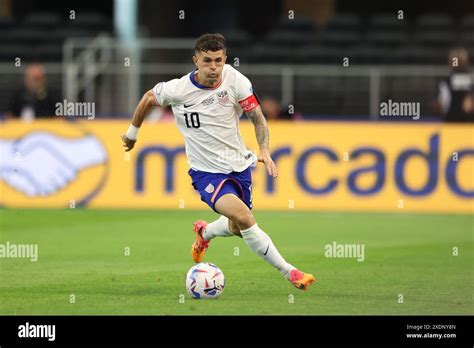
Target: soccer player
[207, 104]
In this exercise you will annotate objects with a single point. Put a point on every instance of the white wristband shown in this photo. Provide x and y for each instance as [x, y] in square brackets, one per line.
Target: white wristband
[132, 132]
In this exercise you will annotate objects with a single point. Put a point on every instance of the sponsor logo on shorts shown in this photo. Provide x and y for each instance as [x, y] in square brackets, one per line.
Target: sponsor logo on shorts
[209, 188]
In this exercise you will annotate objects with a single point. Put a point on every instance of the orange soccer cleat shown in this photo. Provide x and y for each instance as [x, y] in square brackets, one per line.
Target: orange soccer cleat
[301, 280]
[200, 245]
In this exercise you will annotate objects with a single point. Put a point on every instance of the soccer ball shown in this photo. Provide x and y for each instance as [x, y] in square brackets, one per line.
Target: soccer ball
[205, 280]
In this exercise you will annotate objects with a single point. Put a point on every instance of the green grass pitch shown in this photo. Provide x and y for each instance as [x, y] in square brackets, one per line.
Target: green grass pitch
[82, 252]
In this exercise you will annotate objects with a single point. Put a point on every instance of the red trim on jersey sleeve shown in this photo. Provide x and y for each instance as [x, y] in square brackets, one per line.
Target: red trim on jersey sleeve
[250, 103]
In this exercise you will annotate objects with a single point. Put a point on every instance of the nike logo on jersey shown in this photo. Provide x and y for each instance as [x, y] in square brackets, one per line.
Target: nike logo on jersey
[187, 106]
[266, 251]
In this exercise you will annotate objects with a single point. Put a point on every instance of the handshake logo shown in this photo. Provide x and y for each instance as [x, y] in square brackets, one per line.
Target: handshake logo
[41, 163]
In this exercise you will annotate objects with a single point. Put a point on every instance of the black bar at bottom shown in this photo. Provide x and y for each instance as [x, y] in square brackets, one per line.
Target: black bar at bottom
[427, 331]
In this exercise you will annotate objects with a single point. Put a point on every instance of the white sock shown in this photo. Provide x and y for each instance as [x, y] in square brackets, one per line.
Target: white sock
[263, 246]
[218, 228]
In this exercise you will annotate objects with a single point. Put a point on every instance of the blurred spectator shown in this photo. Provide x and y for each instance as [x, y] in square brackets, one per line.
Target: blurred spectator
[34, 99]
[273, 110]
[455, 96]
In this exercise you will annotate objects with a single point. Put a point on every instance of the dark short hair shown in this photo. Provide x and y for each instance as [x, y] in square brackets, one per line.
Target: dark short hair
[210, 42]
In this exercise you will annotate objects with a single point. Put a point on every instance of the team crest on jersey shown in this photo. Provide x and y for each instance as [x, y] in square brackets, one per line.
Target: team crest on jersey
[223, 97]
[209, 188]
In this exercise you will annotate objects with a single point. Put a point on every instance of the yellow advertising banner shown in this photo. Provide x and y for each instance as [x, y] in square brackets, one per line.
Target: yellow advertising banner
[410, 167]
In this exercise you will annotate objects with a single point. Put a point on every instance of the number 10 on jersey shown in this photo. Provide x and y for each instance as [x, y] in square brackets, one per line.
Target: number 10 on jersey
[192, 120]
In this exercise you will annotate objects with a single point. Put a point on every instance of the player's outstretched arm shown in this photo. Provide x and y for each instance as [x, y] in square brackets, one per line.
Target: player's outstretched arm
[147, 102]
[262, 134]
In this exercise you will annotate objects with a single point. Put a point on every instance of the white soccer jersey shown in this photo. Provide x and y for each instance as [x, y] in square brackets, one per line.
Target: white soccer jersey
[208, 118]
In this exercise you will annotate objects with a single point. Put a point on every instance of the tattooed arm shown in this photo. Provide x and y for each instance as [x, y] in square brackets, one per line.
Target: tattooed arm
[261, 132]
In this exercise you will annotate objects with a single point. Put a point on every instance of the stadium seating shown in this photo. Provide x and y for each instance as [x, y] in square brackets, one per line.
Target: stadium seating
[344, 22]
[435, 21]
[43, 20]
[362, 38]
[377, 39]
[386, 21]
[35, 37]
